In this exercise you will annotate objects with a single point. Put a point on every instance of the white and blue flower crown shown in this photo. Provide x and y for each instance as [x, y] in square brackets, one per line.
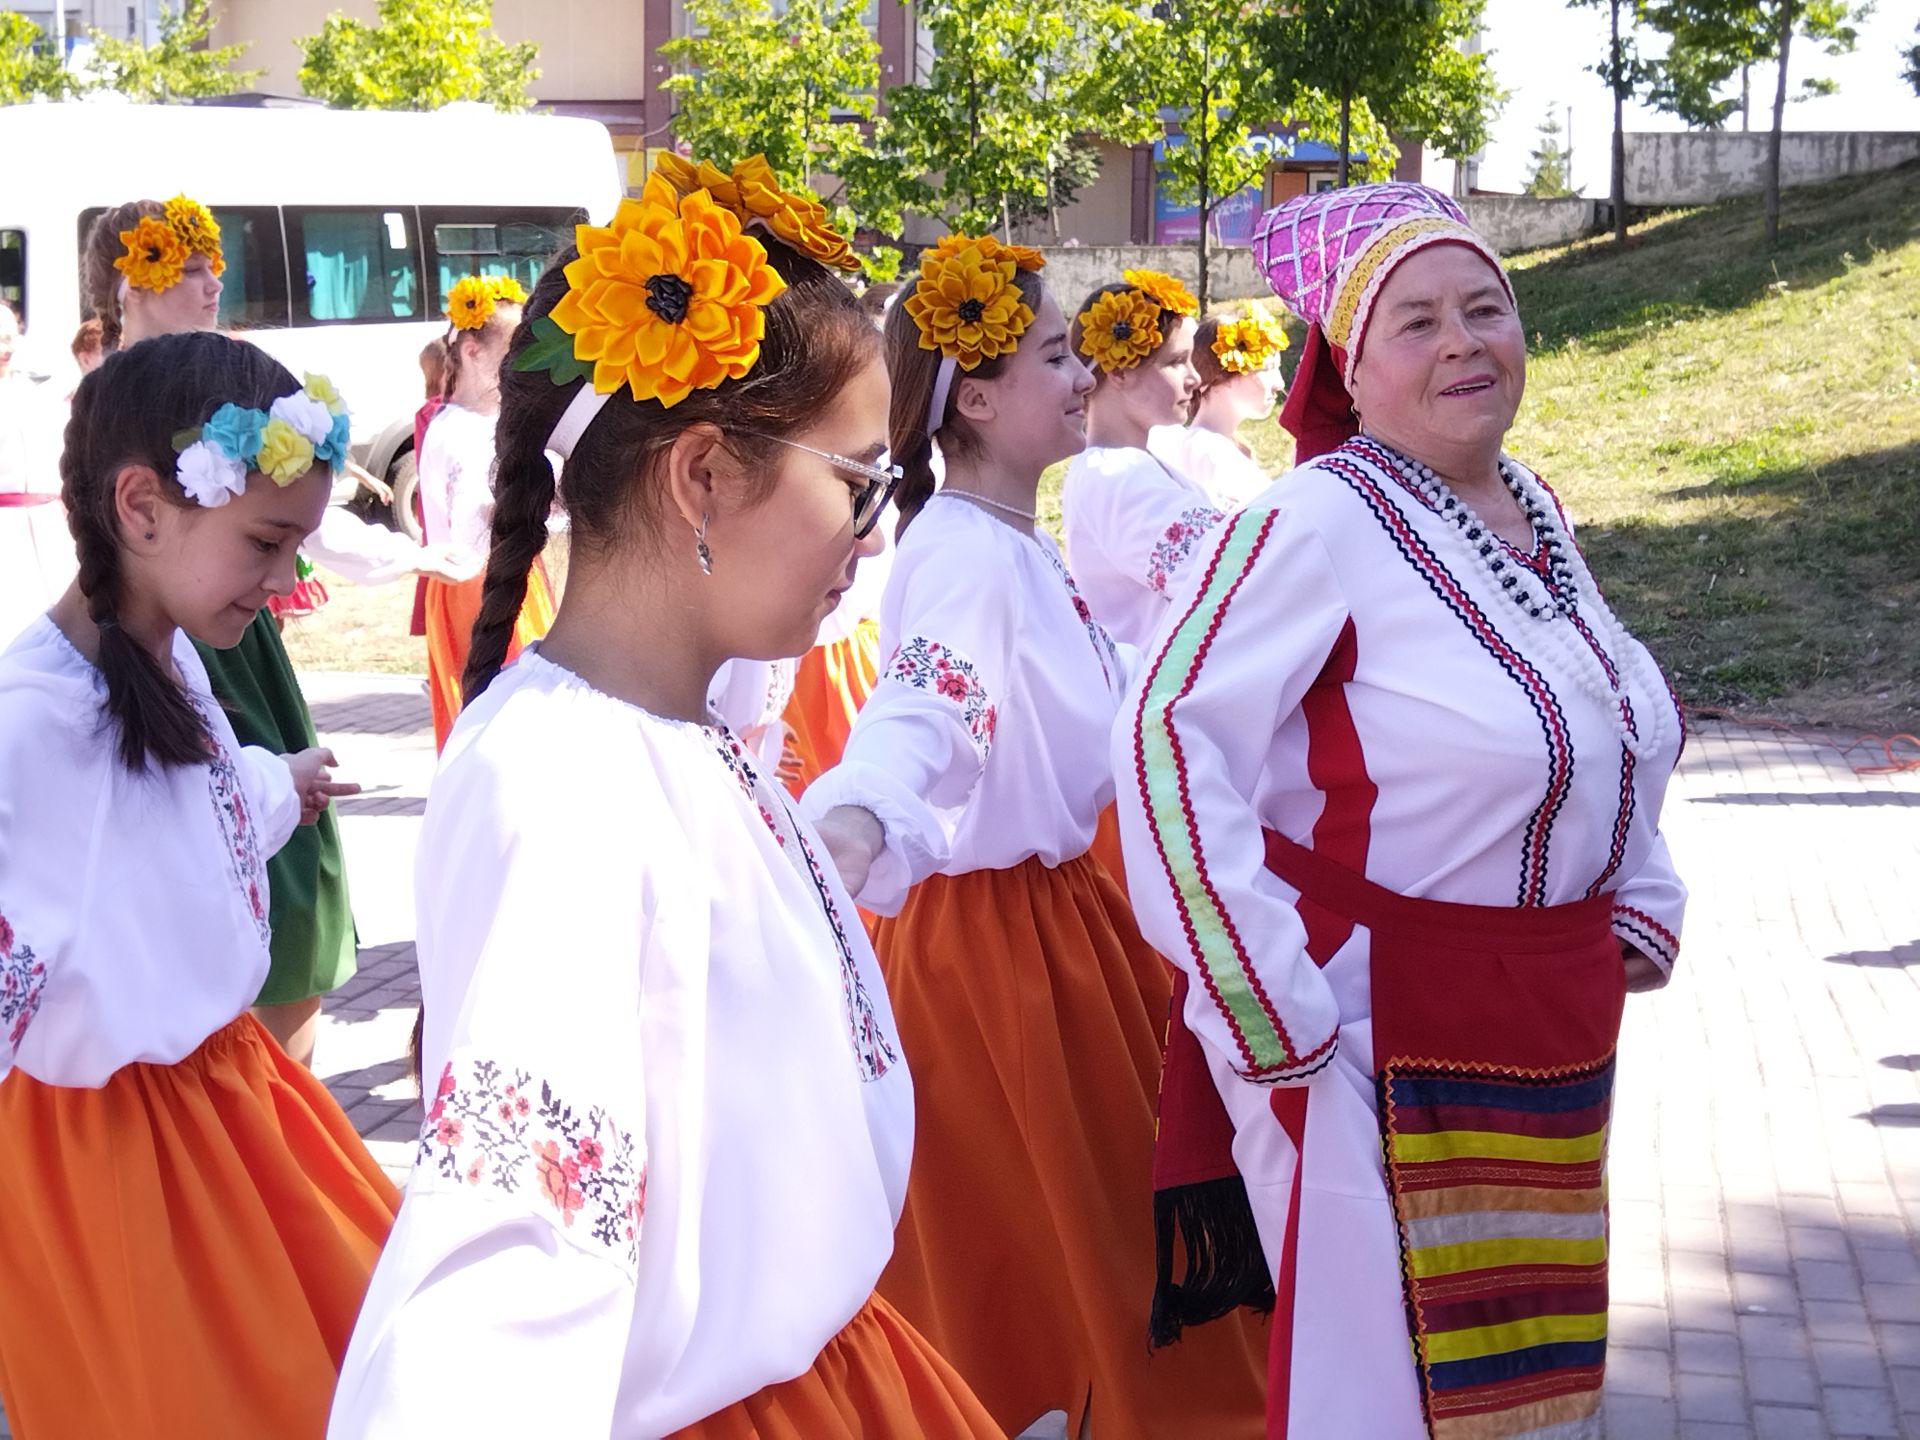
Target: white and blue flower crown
[283, 442]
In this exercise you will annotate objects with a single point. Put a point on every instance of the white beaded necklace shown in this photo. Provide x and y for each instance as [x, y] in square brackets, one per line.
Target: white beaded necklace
[1568, 593]
[1013, 510]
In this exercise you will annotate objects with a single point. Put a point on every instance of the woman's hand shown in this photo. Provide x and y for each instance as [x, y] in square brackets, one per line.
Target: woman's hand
[313, 781]
[1642, 973]
[854, 839]
[371, 483]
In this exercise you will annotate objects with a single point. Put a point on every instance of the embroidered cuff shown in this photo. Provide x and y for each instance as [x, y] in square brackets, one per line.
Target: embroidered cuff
[1647, 935]
[495, 1129]
[23, 979]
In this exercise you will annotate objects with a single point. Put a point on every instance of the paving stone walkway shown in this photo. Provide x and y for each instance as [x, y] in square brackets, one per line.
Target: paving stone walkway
[1766, 1147]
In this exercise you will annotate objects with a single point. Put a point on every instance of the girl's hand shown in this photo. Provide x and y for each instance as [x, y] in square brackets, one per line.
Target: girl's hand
[313, 781]
[854, 839]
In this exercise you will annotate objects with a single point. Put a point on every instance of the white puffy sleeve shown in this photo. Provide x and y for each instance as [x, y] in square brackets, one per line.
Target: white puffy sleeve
[1648, 908]
[354, 550]
[1145, 525]
[921, 740]
[503, 1300]
[1251, 630]
[269, 784]
[37, 910]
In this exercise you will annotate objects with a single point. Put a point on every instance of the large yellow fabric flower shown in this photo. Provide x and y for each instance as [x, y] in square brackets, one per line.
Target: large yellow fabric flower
[1250, 344]
[507, 290]
[687, 176]
[1163, 289]
[155, 255]
[1120, 329]
[965, 303]
[470, 302]
[285, 454]
[668, 298]
[1024, 256]
[197, 229]
[796, 217]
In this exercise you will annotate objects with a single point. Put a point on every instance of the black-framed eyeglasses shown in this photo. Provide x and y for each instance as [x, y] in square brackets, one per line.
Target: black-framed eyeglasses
[870, 500]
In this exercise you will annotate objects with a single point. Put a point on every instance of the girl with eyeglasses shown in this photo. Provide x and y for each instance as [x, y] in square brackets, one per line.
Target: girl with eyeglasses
[668, 1117]
[963, 811]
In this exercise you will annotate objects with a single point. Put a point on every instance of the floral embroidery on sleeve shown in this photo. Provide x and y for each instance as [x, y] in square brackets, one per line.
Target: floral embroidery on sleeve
[928, 665]
[492, 1126]
[242, 841]
[1096, 632]
[22, 979]
[1176, 543]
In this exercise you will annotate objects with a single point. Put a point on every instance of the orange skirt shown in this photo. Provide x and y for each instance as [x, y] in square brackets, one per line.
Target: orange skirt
[832, 683]
[877, 1379]
[451, 611]
[184, 1250]
[1033, 1015]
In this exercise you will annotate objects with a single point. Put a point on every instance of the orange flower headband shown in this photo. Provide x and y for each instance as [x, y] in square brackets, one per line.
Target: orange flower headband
[473, 299]
[1250, 344]
[967, 305]
[752, 192]
[665, 300]
[158, 245]
[1122, 327]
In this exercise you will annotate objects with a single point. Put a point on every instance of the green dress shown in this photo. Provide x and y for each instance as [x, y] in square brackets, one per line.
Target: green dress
[313, 937]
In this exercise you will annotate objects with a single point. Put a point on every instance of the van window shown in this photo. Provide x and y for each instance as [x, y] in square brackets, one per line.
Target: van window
[353, 265]
[253, 293]
[13, 272]
[481, 240]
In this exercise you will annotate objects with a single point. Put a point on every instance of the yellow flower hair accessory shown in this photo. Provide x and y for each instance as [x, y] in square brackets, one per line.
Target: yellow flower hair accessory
[1120, 329]
[1250, 344]
[1163, 289]
[754, 194]
[471, 302]
[965, 303]
[155, 256]
[1024, 256]
[197, 229]
[667, 299]
[507, 290]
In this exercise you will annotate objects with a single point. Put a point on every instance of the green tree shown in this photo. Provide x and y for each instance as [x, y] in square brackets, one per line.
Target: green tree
[1625, 75]
[1911, 56]
[794, 86]
[29, 67]
[1713, 40]
[1405, 58]
[1549, 162]
[180, 65]
[419, 55]
[1004, 113]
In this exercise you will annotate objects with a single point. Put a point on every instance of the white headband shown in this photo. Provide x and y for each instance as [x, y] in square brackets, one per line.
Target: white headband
[942, 387]
[575, 419]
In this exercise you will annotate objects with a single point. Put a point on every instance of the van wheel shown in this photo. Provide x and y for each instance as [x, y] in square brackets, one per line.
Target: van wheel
[405, 482]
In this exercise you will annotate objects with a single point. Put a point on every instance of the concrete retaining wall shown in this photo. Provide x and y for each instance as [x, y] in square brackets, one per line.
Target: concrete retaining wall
[1700, 166]
[1520, 222]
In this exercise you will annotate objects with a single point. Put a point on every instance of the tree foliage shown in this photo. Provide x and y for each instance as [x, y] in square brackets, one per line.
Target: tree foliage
[180, 65]
[1004, 114]
[1910, 58]
[29, 67]
[1549, 176]
[418, 55]
[1402, 57]
[791, 86]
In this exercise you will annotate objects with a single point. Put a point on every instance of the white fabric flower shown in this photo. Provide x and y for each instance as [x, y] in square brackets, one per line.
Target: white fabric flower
[305, 414]
[209, 475]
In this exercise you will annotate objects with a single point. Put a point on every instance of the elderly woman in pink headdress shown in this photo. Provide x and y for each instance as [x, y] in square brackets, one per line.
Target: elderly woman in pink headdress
[1395, 785]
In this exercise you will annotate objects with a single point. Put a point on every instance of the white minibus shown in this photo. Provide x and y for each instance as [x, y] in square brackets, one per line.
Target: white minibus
[342, 229]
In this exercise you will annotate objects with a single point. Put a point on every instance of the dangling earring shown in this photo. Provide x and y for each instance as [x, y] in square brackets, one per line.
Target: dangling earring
[700, 550]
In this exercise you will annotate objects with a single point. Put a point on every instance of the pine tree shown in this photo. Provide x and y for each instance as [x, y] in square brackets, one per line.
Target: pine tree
[1549, 162]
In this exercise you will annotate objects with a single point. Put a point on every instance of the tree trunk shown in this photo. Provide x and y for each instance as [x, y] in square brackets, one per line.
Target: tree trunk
[1746, 100]
[1346, 136]
[1206, 220]
[1617, 188]
[1772, 202]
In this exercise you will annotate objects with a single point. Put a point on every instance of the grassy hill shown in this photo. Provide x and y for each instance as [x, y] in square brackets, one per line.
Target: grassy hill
[1737, 436]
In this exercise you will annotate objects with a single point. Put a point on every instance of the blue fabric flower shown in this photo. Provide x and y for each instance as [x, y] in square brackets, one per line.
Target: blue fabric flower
[333, 449]
[235, 432]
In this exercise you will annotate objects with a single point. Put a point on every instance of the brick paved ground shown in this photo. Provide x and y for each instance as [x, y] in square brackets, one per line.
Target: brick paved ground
[1766, 1149]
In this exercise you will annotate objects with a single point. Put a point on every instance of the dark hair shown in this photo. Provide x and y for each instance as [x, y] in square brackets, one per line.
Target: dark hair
[127, 412]
[1169, 322]
[817, 339]
[1206, 364]
[433, 366]
[86, 340]
[452, 342]
[873, 299]
[102, 281]
[914, 372]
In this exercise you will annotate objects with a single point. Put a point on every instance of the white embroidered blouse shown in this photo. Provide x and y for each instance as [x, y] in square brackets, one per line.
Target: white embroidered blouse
[133, 907]
[668, 1123]
[456, 481]
[1347, 668]
[984, 741]
[1131, 526]
[1229, 475]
